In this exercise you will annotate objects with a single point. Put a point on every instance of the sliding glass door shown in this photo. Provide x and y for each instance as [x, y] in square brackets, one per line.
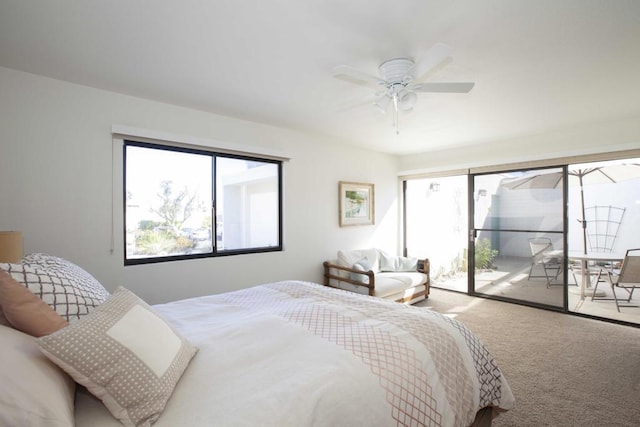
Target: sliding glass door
[513, 243]
[534, 236]
[518, 236]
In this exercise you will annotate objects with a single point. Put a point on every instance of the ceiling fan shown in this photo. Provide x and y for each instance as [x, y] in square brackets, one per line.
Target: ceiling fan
[401, 80]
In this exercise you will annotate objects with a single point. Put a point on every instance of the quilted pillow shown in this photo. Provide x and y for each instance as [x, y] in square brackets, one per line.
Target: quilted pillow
[68, 289]
[125, 354]
[362, 265]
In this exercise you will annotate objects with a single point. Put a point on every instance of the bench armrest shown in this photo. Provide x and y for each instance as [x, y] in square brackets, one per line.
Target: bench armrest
[424, 266]
[328, 275]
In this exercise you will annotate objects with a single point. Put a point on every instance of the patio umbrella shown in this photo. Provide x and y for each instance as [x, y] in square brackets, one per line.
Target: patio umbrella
[604, 174]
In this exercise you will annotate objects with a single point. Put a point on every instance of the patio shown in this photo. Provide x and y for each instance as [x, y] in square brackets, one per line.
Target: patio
[513, 213]
[509, 279]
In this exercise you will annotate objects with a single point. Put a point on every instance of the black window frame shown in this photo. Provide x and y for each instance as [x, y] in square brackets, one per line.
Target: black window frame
[215, 251]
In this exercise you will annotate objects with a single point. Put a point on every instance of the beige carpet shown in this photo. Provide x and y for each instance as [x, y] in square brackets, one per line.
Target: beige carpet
[564, 370]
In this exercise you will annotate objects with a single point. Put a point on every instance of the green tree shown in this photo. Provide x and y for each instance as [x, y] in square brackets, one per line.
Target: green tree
[147, 224]
[176, 208]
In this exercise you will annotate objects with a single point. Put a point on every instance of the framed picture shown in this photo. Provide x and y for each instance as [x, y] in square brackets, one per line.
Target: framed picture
[356, 203]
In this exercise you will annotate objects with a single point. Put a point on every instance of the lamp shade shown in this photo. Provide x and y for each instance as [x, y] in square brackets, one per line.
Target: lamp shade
[11, 249]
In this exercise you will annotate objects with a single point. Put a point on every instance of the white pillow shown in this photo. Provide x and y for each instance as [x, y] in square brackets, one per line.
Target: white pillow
[362, 265]
[407, 264]
[388, 262]
[33, 391]
[348, 258]
[125, 354]
[397, 263]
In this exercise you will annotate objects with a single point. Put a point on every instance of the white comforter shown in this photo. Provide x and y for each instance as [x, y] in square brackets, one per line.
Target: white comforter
[301, 354]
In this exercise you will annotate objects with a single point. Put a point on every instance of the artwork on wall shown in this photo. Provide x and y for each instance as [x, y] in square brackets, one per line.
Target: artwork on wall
[356, 203]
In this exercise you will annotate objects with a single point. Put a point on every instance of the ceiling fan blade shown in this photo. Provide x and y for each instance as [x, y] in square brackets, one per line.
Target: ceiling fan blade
[372, 99]
[352, 75]
[434, 57]
[451, 87]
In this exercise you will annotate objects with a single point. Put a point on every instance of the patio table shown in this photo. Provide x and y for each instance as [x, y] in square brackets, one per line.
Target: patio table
[585, 283]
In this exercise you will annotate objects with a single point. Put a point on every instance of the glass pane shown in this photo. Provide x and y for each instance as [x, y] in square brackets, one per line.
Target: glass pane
[521, 266]
[247, 205]
[436, 228]
[605, 198]
[168, 203]
[530, 200]
[604, 195]
[518, 218]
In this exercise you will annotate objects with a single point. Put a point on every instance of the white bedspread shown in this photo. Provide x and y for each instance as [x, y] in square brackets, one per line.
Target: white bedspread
[301, 354]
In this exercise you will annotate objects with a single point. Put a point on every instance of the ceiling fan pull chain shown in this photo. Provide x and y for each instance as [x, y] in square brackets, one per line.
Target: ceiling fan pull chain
[395, 112]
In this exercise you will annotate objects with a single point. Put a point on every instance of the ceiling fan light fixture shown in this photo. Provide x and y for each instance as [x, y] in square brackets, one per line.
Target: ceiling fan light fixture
[406, 100]
[383, 103]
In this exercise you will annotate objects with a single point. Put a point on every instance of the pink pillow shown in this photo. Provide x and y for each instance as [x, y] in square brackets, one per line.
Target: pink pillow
[25, 311]
[3, 320]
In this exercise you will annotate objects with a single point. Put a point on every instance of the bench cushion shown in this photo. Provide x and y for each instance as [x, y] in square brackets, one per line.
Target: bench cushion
[395, 282]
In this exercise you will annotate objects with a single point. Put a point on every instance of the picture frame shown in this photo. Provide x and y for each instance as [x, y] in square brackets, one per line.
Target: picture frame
[357, 203]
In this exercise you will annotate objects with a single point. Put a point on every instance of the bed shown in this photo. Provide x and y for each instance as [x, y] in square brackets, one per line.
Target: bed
[290, 353]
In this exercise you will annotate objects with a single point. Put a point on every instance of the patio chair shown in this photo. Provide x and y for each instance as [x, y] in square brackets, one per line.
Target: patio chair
[628, 279]
[543, 255]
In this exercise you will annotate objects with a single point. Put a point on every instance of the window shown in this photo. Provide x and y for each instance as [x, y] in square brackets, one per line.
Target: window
[185, 203]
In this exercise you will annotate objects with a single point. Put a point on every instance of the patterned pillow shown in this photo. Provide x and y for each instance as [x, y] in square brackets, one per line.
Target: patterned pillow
[68, 289]
[82, 278]
[125, 354]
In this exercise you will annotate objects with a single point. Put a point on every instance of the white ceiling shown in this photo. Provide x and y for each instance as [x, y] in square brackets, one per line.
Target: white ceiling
[538, 65]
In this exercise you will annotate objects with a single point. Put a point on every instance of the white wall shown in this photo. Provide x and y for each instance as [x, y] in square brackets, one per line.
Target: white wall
[57, 163]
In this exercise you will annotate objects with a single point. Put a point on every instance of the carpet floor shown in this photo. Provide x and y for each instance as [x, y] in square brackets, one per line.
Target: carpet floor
[564, 370]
